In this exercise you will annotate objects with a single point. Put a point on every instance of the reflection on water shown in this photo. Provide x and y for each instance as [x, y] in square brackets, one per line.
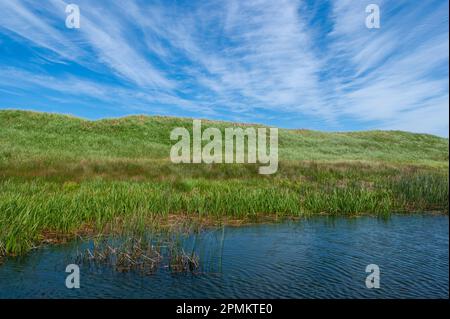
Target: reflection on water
[312, 258]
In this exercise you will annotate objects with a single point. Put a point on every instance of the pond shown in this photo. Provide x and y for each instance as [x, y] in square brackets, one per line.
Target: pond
[319, 257]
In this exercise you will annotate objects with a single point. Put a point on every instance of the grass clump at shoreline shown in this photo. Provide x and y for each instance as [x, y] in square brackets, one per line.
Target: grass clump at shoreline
[62, 176]
[139, 254]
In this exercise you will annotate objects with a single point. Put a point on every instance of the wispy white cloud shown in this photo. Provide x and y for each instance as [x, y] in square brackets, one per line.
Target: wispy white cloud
[75, 88]
[246, 59]
[391, 72]
[102, 32]
[17, 18]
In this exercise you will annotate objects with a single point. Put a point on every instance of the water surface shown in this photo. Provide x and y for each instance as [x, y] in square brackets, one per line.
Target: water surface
[321, 257]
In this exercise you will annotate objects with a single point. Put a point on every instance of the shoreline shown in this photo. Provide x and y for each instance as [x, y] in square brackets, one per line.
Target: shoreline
[185, 225]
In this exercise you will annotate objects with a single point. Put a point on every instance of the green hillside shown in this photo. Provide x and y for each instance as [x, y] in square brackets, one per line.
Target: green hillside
[61, 176]
[49, 136]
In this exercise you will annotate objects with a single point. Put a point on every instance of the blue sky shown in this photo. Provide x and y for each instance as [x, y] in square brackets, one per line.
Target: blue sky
[295, 64]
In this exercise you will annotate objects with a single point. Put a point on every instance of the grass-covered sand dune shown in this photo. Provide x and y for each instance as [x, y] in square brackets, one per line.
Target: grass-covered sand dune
[61, 176]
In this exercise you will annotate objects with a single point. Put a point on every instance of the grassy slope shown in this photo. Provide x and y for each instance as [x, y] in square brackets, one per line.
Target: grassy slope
[60, 173]
[39, 135]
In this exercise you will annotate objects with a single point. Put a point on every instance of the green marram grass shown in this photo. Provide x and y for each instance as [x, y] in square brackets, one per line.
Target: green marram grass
[61, 174]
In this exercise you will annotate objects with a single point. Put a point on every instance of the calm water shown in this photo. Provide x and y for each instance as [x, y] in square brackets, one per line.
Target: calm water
[314, 258]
